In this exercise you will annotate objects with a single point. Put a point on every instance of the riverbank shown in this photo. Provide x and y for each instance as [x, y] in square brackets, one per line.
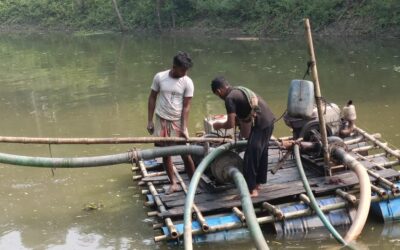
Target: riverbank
[215, 18]
[334, 30]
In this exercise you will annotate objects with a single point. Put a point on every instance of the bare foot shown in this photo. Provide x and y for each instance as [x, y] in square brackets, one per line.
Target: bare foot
[173, 188]
[254, 193]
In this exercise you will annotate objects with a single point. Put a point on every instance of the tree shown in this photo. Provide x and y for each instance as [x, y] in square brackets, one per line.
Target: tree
[121, 21]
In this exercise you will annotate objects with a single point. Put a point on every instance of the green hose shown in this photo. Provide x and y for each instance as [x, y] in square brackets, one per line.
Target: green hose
[96, 161]
[187, 238]
[248, 209]
[314, 203]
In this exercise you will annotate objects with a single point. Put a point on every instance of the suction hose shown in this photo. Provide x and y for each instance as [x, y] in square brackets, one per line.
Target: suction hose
[96, 161]
[365, 192]
[260, 241]
[248, 209]
[314, 203]
[187, 237]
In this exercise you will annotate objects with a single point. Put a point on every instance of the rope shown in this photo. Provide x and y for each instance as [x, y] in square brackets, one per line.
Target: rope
[133, 155]
[309, 65]
[51, 155]
[283, 114]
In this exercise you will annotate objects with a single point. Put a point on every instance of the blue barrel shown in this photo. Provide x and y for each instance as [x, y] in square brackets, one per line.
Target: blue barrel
[212, 221]
[388, 210]
[340, 218]
[301, 99]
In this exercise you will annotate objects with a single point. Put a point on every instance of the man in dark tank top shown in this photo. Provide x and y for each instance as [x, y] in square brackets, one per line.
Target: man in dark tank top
[244, 105]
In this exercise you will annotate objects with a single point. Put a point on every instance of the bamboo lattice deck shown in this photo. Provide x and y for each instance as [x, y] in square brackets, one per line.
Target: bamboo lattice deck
[285, 186]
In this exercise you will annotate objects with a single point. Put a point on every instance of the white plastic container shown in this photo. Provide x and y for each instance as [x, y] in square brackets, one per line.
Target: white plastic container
[301, 99]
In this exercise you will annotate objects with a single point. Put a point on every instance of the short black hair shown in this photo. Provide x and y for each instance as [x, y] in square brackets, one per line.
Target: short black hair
[218, 82]
[182, 59]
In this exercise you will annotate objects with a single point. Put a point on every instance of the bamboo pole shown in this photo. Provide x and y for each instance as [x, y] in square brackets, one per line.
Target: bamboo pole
[382, 165]
[369, 160]
[349, 197]
[114, 140]
[380, 191]
[239, 214]
[273, 210]
[317, 93]
[289, 215]
[365, 148]
[381, 180]
[152, 214]
[168, 222]
[199, 215]
[304, 198]
[361, 138]
[384, 146]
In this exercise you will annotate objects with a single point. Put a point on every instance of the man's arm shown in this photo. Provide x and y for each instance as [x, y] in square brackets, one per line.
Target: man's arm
[185, 116]
[151, 105]
[230, 122]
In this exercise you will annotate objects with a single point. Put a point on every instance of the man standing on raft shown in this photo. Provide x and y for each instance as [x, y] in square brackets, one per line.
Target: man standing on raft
[243, 104]
[170, 97]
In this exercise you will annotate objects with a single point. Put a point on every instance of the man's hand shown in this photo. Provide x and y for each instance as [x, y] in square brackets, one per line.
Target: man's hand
[150, 127]
[217, 125]
[184, 133]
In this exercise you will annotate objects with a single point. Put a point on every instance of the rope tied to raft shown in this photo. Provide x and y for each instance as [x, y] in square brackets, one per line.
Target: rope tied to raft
[133, 155]
[51, 155]
[309, 65]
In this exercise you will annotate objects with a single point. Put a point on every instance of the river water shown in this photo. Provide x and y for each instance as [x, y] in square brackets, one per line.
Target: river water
[54, 85]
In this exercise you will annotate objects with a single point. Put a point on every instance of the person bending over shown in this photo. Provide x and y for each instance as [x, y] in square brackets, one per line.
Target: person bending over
[244, 105]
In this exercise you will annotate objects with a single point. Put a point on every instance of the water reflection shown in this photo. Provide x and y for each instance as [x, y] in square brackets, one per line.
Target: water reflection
[97, 86]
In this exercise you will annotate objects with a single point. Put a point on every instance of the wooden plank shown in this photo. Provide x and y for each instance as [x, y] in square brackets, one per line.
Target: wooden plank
[348, 179]
[217, 202]
[217, 205]
[274, 182]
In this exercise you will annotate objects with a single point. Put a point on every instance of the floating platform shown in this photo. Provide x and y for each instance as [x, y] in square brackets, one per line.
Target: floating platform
[281, 202]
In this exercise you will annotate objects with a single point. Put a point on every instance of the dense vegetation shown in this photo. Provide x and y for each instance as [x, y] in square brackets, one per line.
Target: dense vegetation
[259, 17]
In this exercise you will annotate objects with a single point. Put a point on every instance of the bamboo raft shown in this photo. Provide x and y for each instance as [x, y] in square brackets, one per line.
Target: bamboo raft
[282, 188]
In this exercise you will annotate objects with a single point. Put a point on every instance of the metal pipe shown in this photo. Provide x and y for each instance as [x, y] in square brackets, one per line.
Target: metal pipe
[313, 202]
[317, 93]
[114, 140]
[96, 161]
[248, 209]
[365, 192]
[193, 186]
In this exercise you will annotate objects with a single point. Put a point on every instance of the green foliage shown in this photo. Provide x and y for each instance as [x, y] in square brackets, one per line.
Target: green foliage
[251, 16]
[385, 13]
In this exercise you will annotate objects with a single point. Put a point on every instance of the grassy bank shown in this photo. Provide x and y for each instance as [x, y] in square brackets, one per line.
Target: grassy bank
[253, 17]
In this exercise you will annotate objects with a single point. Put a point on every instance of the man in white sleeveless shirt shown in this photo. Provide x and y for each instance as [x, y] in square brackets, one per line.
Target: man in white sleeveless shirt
[170, 98]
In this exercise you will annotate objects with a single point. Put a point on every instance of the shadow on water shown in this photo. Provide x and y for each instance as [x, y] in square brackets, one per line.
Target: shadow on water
[54, 85]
